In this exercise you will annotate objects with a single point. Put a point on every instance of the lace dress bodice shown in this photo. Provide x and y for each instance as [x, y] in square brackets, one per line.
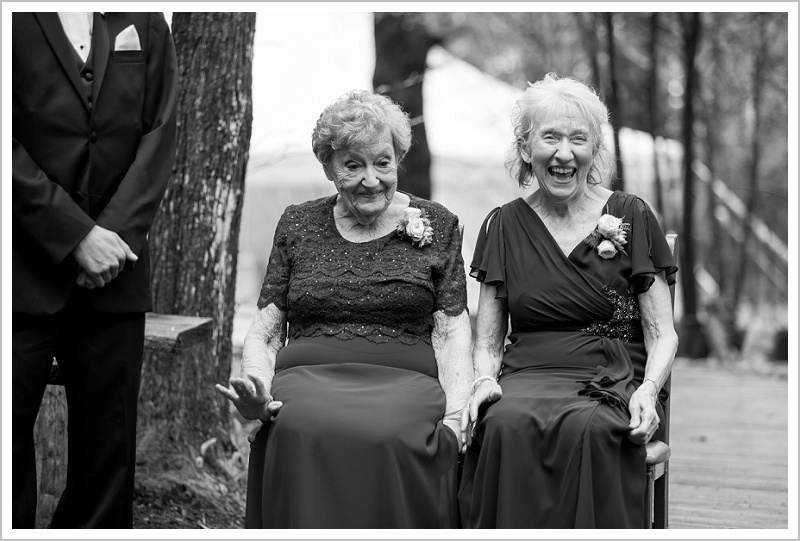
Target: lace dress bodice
[383, 290]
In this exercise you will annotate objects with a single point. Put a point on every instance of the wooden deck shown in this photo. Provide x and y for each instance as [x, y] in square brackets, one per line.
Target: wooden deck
[729, 439]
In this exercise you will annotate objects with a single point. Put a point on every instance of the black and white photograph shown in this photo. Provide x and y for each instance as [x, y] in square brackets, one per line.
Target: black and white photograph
[400, 270]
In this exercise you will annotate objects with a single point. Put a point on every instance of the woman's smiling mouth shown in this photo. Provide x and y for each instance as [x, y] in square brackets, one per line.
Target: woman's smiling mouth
[562, 173]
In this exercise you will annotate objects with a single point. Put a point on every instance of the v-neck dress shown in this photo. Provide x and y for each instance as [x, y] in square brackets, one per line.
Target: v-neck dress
[553, 452]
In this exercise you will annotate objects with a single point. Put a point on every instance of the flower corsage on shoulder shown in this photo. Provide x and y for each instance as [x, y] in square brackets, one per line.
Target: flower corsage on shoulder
[609, 236]
[415, 226]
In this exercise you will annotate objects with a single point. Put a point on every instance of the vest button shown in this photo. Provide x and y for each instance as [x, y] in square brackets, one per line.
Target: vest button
[88, 76]
[93, 137]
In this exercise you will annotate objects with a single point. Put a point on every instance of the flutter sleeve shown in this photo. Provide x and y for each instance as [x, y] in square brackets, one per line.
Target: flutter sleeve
[488, 261]
[449, 279]
[650, 253]
[275, 288]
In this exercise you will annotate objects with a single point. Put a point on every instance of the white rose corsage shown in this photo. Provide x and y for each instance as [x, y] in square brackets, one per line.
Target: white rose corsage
[416, 227]
[609, 236]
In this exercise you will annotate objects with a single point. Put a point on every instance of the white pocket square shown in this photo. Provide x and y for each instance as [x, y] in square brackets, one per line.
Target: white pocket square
[127, 40]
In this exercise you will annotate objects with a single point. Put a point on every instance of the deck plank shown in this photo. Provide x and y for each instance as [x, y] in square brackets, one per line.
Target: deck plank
[729, 439]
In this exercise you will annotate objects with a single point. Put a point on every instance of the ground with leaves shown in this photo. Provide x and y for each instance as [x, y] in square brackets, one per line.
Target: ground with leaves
[193, 489]
[182, 506]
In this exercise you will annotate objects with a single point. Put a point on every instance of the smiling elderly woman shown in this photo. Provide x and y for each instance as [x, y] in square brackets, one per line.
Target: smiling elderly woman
[583, 273]
[361, 407]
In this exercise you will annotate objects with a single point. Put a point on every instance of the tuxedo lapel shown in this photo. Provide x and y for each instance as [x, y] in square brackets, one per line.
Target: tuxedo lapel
[62, 47]
[100, 51]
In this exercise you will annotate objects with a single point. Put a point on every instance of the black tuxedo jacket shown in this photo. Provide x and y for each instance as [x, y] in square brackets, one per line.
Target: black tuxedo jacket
[84, 155]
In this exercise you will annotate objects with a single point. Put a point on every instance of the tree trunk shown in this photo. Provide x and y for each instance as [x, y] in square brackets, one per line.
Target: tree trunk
[401, 49]
[586, 22]
[755, 154]
[720, 324]
[618, 182]
[194, 239]
[654, 117]
[692, 341]
[712, 114]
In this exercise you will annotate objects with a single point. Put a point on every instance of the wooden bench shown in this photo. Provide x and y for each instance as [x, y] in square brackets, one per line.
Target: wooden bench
[162, 332]
[168, 334]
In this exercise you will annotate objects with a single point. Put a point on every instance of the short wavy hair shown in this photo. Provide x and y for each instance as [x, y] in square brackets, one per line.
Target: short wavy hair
[561, 96]
[356, 119]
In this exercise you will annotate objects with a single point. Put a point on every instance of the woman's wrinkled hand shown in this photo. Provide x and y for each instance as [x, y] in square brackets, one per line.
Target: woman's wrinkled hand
[251, 398]
[644, 419]
[455, 426]
[487, 392]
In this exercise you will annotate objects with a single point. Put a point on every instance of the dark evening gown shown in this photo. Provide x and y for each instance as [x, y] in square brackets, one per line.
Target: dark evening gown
[359, 442]
[553, 452]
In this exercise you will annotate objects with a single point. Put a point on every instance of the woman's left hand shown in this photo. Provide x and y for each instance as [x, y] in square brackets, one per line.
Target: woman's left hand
[644, 419]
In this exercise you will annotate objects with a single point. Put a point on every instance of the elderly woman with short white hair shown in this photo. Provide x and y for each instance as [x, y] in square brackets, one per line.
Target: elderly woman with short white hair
[559, 417]
[361, 406]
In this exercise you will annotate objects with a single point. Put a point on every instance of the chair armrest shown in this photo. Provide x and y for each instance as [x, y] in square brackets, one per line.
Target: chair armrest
[658, 452]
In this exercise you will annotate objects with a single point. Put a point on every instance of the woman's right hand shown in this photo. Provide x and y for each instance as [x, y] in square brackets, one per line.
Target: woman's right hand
[487, 392]
[251, 398]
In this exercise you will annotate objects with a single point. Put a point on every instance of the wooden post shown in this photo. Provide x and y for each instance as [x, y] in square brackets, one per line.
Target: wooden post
[174, 338]
[50, 434]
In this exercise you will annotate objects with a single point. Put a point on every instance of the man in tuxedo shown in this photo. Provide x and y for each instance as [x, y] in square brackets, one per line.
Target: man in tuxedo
[94, 127]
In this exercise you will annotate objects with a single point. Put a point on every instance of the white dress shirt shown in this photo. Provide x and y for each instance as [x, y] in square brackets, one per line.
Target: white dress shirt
[78, 27]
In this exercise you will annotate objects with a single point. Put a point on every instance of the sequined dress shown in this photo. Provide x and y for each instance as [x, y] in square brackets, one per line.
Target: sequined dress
[359, 442]
[553, 451]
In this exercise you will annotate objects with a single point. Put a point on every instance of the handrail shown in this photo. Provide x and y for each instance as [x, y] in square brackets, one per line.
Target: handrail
[762, 231]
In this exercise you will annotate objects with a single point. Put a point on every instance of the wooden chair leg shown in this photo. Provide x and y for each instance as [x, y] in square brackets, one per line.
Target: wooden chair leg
[649, 498]
[661, 501]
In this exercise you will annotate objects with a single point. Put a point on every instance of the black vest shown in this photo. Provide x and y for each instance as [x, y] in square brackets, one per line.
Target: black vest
[86, 70]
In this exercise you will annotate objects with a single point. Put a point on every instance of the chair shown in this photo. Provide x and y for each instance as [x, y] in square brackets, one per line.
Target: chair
[658, 451]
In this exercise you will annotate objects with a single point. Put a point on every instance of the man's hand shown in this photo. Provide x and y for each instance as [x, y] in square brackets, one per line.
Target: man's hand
[101, 255]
